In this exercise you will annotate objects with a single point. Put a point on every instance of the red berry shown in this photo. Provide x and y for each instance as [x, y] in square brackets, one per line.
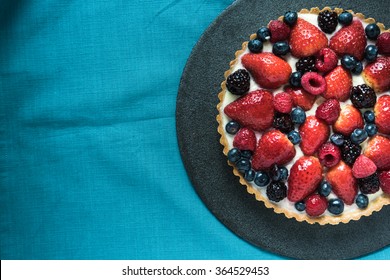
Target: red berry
[329, 111]
[313, 83]
[301, 98]
[383, 43]
[363, 167]
[283, 102]
[279, 31]
[329, 154]
[245, 139]
[316, 205]
[326, 60]
[384, 179]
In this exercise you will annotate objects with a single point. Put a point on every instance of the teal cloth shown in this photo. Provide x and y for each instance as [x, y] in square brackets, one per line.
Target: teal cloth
[90, 166]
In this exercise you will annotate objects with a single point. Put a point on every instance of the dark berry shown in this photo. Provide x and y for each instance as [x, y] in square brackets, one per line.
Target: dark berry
[243, 165]
[369, 116]
[246, 154]
[238, 82]
[363, 96]
[372, 31]
[337, 139]
[362, 201]
[369, 184]
[283, 122]
[298, 115]
[300, 206]
[335, 206]
[295, 79]
[306, 64]
[263, 34]
[359, 136]
[294, 137]
[276, 191]
[250, 175]
[255, 46]
[280, 48]
[290, 18]
[283, 173]
[350, 152]
[232, 127]
[327, 21]
[262, 179]
[371, 53]
[325, 188]
[348, 62]
[234, 155]
[371, 129]
[345, 18]
[358, 68]
[274, 173]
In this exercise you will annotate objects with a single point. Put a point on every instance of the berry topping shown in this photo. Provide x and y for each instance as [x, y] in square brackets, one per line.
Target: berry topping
[298, 116]
[363, 96]
[314, 132]
[272, 148]
[369, 184]
[329, 155]
[280, 48]
[371, 129]
[283, 122]
[274, 173]
[301, 98]
[382, 112]
[329, 111]
[254, 110]
[316, 205]
[335, 206]
[363, 167]
[359, 136]
[283, 102]
[305, 175]
[383, 43]
[306, 64]
[300, 206]
[338, 84]
[276, 191]
[262, 179]
[246, 154]
[243, 165]
[249, 175]
[283, 173]
[369, 116]
[267, 69]
[294, 137]
[378, 150]
[345, 18]
[313, 83]
[232, 127]
[372, 31]
[350, 152]
[349, 119]
[245, 139]
[337, 139]
[295, 79]
[362, 201]
[358, 68]
[384, 179]
[371, 53]
[306, 39]
[348, 62]
[327, 21]
[263, 34]
[377, 74]
[290, 18]
[234, 155]
[255, 45]
[326, 60]
[279, 31]
[325, 188]
[238, 82]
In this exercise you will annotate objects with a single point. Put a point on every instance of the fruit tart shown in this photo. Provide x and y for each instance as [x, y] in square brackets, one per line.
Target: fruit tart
[304, 115]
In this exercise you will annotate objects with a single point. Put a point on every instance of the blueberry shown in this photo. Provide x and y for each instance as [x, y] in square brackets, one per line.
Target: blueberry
[246, 154]
[294, 137]
[336, 206]
[371, 129]
[295, 79]
[290, 18]
[280, 48]
[300, 206]
[345, 18]
[298, 115]
[234, 155]
[372, 31]
[263, 34]
[348, 62]
[362, 201]
[337, 139]
[283, 173]
[325, 188]
[255, 46]
[262, 179]
[250, 175]
[369, 116]
[358, 136]
[358, 68]
[274, 173]
[232, 127]
[371, 53]
[243, 165]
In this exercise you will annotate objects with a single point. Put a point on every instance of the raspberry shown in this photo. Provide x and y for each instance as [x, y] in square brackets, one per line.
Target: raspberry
[363, 96]
[363, 167]
[313, 83]
[238, 82]
[326, 60]
[306, 64]
[369, 184]
[329, 154]
[327, 21]
[350, 152]
[384, 179]
[245, 139]
[383, 43]
[283, 102]
[316, 205]
[329, 111]
[283, 122]
[279, 31]
[276, 191]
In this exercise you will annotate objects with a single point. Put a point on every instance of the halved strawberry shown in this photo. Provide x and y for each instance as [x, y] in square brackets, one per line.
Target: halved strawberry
[378, 150]
[314, 132]
[349, 119]
[267, 69]
[245, 139]
[316, 205]
[377, 74]
[338, 84]
[305, 175]
[343, 183]
[384, 179]
[254, 110]
[306, 39]
[382, 114]
[363, 167]
[301, 98]
[272, 148]
[350, 39]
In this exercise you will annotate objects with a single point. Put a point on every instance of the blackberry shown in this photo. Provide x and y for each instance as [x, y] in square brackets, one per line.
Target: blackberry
[363, 96]
[327, 21]
[276, 191]
[306, 64]
[369, 184]
[283, 122]
[238, 82]
[350, 151]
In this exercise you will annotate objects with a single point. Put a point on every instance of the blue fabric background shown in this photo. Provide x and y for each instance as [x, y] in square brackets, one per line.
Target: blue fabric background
[89, 162]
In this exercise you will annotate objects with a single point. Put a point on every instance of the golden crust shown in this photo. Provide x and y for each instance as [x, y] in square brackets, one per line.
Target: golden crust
[375, 205]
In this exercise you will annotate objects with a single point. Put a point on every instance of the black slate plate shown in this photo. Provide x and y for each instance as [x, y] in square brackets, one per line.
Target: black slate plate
[206, 165]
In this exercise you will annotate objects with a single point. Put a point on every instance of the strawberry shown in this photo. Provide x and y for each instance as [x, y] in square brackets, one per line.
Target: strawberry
[382, 114]
[301, 98]
[377, 74]
[305, 175]
[268, 70]
[349, 119]
[350, 39]
[314, 132]
[343, 183]
[378, 150]
[383, 43]
[363, 167]
[306, 39]
[283, 102]
[384, 179]
[316, 205]
[253, 110]
[272, 148]
[245, 139]
[338, 84]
